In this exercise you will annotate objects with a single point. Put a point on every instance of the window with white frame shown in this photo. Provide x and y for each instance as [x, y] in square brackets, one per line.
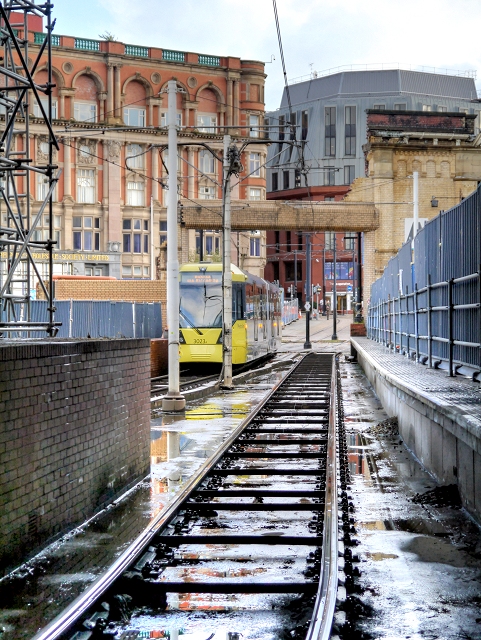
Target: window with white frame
[207, 243]
[165, 157]
[255, 244]
[86, 233]
[163, 232]
[206, 123]
[255, 193]
[255, 165]
[442, 109]
[349, 241]
[207, 193]
[427, 107]
[178, 119]
[86, 186]
[253, 126]
[330, 176]
[136, 193]
[136, 272]
[37, 112]
[134, 156]
[85, 111]
[349, 170]
[42, 230]
[42, 188]
[135, 235]
[379, 107]
[329, 239]
[206, 161]
[134, 116]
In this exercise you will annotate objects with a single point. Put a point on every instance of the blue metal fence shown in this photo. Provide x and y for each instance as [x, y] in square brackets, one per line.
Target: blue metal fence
[98, 318]
[430, 309]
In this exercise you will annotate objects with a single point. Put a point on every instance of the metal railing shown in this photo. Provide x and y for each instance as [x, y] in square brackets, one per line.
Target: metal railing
[212, 61]
[39, 38]
[290, 311]
[134, 50]
[173, 56]
[87, 45]
[98, 318]
[429, 308]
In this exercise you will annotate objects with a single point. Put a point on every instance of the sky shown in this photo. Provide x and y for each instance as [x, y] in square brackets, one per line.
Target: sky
[317, 35]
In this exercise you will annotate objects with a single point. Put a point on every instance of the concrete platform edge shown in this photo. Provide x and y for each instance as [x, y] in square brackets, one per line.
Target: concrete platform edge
[444, 438]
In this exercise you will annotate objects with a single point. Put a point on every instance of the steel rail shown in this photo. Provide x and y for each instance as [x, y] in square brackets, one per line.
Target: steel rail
[321, 623]
[81, 604]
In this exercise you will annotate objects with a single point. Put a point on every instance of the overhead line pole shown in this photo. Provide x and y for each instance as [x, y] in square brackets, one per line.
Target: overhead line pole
[173, 401]
[227, 271]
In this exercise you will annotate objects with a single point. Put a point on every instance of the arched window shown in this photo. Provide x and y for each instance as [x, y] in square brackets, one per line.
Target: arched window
[85, 108]
[206, 161]
[207, 111]
[134, 157]
[135, 105]
[42, 78]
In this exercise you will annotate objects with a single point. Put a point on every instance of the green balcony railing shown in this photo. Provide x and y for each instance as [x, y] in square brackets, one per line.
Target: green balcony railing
[40, 37]
[212, 61]
[173, 56]
[133, 50]
[87, 45]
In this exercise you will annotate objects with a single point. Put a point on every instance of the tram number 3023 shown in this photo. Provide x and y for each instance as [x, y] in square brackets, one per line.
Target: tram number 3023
[200, 341]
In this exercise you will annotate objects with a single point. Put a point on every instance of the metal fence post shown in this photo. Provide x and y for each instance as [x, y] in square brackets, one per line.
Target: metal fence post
[70, 319]
[450, 326]
[430, 343]
[407, 322]
[400, 321]
[479, 315]
[416, 320]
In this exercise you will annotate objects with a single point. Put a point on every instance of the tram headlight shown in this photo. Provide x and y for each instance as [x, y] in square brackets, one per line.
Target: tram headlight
[181, 337]
[219, 339]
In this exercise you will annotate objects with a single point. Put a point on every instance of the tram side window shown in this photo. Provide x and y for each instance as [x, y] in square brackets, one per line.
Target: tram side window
[238, 302]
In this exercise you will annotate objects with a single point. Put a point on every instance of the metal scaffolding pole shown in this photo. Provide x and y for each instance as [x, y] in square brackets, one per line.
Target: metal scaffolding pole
[19, 220]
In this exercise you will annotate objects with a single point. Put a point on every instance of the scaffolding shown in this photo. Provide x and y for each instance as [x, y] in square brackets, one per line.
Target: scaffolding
[21, 215]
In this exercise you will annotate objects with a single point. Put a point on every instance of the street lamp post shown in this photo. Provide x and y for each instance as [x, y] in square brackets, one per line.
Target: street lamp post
[358, 317]
[307, 343]
[334, 293]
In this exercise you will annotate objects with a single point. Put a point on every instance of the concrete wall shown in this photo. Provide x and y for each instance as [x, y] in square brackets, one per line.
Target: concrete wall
[445, 440]
[74, 433]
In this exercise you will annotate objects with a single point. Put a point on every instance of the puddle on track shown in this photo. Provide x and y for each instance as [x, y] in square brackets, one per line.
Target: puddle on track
[180, 445]
[420, 565]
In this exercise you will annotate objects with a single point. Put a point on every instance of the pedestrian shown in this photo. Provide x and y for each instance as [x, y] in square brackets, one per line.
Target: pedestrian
[328, 309]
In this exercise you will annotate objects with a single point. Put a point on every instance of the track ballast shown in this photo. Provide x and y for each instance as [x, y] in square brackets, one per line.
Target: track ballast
[248, 549]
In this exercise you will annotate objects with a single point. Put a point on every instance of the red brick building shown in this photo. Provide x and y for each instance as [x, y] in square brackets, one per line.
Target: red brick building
[109, 113]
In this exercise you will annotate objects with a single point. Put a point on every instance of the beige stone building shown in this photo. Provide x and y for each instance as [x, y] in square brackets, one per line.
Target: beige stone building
[441, 147]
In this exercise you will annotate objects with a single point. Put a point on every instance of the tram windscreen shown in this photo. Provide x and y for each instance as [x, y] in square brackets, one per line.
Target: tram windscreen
[200, 300]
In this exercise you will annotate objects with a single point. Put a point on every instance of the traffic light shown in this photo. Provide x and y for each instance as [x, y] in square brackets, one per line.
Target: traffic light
[297, 178]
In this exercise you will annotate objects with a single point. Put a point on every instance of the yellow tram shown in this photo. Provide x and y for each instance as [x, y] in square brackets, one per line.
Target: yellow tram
[256, 315]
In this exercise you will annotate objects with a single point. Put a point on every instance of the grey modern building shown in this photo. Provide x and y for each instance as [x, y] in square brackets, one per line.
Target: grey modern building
[329, 114]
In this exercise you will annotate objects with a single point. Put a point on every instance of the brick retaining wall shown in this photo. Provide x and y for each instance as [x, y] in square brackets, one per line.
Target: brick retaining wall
[74, 434]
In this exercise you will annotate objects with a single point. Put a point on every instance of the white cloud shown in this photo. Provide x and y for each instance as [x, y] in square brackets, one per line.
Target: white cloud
[326, 33]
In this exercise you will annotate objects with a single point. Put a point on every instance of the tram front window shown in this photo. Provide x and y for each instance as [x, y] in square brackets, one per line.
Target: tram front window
[200, 306]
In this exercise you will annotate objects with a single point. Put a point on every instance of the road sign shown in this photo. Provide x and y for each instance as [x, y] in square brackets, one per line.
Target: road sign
[349, 288]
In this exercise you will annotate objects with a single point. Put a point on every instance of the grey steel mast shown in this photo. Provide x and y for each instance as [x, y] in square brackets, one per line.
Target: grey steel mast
[19, 218]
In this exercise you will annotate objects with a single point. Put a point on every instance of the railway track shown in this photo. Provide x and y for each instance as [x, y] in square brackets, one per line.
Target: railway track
[189, 381]
[249, 548]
